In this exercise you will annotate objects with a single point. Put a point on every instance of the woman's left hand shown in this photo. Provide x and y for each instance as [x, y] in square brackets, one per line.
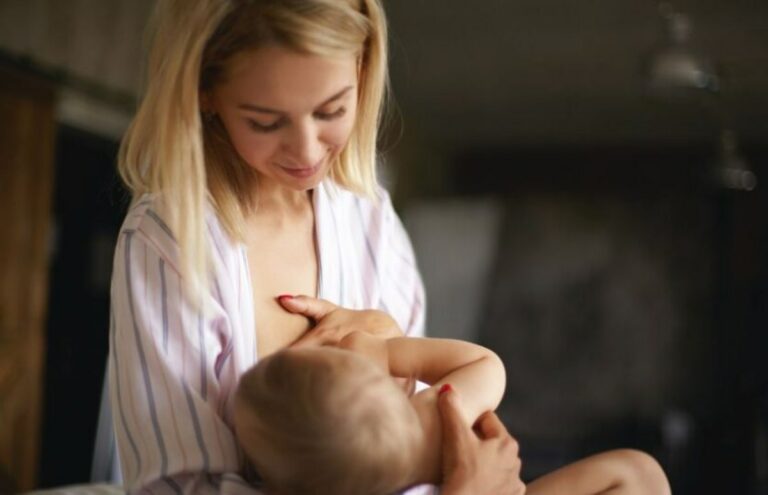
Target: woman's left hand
[333, 323]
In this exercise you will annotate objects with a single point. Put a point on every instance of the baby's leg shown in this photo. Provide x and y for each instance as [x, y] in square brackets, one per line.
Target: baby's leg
[625, 472]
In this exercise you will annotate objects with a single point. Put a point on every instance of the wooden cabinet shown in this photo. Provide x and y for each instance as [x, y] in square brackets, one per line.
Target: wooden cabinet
[27, 132]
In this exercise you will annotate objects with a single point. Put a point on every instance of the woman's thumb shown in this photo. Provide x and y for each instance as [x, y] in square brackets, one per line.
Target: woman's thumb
[455, 433]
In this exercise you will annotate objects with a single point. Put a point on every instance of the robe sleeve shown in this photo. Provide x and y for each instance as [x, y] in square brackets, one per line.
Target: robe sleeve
[168, 403]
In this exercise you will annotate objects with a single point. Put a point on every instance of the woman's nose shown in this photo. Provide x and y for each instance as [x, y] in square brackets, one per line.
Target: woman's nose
[303, 146]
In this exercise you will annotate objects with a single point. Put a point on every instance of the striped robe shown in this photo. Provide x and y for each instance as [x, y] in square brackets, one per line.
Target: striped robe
[173, 372]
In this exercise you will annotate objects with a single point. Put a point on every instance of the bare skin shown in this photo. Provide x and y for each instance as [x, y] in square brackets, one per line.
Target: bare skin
[288, 115]
[281, 259]
[487, 462]
[616, 472]
[480, 460]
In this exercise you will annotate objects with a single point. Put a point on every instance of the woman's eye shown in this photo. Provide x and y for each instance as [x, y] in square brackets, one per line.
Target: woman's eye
[331, 115]
[258, 127]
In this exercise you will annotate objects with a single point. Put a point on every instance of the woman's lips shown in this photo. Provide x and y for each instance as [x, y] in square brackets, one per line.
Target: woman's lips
[303, 172]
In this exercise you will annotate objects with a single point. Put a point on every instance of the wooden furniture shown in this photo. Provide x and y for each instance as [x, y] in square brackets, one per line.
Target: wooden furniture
[27, 133]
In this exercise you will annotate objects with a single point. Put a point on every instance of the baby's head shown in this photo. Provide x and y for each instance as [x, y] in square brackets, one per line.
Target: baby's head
[323, 419]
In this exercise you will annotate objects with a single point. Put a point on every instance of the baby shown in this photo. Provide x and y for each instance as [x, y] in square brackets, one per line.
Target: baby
[333, 420]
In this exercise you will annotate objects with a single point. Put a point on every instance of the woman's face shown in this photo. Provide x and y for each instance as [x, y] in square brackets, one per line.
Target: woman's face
[287, 114]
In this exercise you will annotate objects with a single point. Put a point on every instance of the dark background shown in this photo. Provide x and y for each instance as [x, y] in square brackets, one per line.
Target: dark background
[89, 204]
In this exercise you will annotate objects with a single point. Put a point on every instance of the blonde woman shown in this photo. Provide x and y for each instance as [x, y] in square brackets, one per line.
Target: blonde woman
[346, 425]
[251, 162]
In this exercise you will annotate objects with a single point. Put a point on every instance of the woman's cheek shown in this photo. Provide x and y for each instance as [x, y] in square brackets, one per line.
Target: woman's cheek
[341, 134]
[252, 147]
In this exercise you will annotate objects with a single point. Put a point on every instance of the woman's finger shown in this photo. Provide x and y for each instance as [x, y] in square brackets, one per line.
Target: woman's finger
[456, 435]
[317, 309]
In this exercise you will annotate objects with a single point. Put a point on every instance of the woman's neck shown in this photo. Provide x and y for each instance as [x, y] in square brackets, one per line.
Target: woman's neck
[277, 206]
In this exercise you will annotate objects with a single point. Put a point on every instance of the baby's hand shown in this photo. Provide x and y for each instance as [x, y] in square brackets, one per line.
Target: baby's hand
[333, 323]
[370, 346]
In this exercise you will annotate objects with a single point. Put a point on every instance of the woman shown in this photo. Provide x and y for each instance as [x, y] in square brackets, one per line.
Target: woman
[251, 161]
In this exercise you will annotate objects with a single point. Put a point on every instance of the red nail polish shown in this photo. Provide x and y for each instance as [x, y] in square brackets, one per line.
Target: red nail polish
[445, 388]
[283, 297]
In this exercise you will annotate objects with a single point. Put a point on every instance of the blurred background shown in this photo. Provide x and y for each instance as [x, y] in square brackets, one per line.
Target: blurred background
[585, 184]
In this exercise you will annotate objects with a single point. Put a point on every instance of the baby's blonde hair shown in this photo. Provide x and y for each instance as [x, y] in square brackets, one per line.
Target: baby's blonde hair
[326, 420]
[171, 150]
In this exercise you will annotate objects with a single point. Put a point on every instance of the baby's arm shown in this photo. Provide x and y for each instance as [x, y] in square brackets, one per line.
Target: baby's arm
[476, 373]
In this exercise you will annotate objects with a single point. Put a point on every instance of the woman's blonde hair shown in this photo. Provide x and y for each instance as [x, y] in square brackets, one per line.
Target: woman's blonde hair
[171, 151]
[326, 420]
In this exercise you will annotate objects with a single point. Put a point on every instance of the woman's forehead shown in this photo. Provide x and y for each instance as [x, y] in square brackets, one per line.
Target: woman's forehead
[285, 79]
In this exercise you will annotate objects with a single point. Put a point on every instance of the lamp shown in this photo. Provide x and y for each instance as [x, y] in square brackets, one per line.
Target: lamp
[676, 70]
[731, 170]
[675, 66]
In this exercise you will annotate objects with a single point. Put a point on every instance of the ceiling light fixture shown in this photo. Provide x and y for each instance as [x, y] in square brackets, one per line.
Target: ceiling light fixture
[676, 70]
[675, 66]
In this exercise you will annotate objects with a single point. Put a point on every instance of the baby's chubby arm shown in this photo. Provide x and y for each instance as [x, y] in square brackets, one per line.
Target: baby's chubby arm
[476, 373]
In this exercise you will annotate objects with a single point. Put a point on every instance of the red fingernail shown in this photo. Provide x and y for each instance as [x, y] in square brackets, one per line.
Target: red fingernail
[445, 388]
[284, 297]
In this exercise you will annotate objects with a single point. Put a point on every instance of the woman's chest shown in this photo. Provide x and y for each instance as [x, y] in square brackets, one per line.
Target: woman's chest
[280, 265]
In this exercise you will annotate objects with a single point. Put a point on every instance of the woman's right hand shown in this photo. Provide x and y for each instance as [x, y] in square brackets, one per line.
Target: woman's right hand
[477, 464]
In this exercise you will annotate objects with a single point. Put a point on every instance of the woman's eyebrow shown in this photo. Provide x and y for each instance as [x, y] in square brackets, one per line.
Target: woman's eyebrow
[257, 108]
[336, 96]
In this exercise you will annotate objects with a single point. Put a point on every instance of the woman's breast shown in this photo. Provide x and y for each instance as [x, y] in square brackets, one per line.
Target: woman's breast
[276, 328]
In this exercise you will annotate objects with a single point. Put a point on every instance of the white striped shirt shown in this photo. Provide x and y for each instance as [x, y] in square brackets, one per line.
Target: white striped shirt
[173, 372]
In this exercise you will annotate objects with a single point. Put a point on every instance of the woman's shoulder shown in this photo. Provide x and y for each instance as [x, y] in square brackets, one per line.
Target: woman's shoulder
[145, 216]
[147, 219]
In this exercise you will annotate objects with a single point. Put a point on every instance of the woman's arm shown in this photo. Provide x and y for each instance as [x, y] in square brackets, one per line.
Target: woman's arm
[168, 396]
